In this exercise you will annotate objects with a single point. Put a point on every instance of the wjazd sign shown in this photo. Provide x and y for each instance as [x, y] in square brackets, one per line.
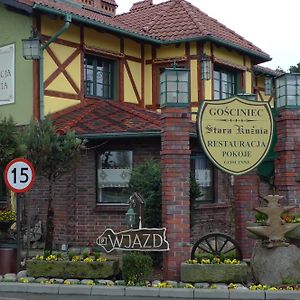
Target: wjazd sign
[236, 134]
[143, 239]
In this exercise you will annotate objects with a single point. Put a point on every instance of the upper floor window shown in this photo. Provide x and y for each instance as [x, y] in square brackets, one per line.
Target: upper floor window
[225, 84]
[114, 168]
[98, 77]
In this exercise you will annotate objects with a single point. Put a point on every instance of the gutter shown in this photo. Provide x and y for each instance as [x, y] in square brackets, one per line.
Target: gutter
[259, 57]
[64, 28]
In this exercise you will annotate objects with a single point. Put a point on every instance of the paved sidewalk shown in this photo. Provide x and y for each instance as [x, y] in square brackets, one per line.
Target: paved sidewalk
[121, 291]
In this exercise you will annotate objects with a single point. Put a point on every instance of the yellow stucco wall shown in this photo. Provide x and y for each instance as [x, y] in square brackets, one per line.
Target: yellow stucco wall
[148, 52]
[193, 48]
[53, 104]
[101, 40]
[132, 48]
[170, 51]
[129, 94]
[148, 85]
[51, 26]
[194, 81]
[230, 56]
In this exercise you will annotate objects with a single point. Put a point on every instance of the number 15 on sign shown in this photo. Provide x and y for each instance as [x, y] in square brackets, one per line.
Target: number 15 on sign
[19, 175]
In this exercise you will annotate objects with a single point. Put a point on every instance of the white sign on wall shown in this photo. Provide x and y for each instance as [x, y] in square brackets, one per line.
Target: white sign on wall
[7, 74]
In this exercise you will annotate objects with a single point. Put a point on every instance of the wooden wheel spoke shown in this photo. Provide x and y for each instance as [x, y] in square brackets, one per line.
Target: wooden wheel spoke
[224, 244]
[210, 247]
[217, 244]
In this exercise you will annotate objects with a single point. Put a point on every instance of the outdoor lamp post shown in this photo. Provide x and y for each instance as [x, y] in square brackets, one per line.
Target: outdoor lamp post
[288, 90]
[174, 87]
[31, 48]
[130, 217]
[205, 67]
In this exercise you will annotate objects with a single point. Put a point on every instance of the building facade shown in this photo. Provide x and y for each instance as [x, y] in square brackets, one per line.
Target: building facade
[103, 76]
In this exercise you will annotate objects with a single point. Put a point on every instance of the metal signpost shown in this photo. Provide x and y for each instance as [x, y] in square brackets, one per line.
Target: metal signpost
[19, 176]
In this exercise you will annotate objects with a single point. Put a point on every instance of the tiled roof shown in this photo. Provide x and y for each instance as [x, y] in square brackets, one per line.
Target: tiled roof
[178, 19]
[100, 117]
[166, 22]
[266, 71]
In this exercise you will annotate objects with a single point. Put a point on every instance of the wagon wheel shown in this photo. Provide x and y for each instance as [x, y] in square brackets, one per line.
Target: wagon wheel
[217, 244]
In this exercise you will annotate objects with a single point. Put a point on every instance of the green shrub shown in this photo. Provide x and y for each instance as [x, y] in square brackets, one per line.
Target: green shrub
[136, 268]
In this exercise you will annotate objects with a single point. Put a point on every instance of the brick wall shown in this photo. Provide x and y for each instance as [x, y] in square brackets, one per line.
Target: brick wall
[78, 220]
[175, 164]
[287, 176]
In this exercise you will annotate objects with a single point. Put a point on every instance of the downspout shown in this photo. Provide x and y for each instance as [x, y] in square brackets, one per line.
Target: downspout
[64, 28]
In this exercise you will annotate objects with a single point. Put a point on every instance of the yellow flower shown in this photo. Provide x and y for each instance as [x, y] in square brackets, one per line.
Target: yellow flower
[67, 282]
[88, 259]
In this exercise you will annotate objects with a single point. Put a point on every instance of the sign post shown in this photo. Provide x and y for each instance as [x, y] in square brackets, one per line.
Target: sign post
[19, 176]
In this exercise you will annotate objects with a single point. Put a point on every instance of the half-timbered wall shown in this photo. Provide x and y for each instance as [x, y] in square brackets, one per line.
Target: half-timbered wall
[138, 66]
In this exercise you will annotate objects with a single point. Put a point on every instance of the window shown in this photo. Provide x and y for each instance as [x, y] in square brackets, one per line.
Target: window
[202, 169]
[113, 175]
[225, 84]
[98, 77]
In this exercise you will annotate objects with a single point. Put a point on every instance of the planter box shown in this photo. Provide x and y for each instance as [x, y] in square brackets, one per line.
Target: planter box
[72, 269]
[294, 234]
[214, 272]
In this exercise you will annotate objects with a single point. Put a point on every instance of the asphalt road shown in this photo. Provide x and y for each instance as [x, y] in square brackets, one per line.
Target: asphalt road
[25, 296]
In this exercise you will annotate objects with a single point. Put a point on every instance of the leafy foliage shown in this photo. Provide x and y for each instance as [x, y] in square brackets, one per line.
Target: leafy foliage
[295, 69]
[146, 180]
[10, 144]
[52, 155]
[136, 268]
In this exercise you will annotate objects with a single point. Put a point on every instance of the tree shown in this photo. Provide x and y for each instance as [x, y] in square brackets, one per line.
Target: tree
[295, 69]
[10, 148]
[52, 156]
[10, 144]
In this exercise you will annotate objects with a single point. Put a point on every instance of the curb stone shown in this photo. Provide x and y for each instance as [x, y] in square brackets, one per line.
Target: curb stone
[246, 294]
[142, 292]
[13, 286]
[37, 288]
[279, 295]
[211, 294]
[107, 291]
[74, 290]
[176, 293]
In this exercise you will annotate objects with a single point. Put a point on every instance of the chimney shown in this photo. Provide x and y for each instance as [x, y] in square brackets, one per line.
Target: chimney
[141, 5]
[106, 7]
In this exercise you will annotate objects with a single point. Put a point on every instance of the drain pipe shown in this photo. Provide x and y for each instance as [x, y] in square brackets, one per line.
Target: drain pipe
[64, 28]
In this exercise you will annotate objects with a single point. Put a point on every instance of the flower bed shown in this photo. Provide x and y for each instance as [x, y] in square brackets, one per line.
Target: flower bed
[214, 272]
[54, 266]
[214, 269]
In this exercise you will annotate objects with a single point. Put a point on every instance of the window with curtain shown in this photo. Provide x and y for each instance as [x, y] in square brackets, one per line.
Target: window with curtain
[202, 169]
[113, 174]
[98, 77]
[225, 84]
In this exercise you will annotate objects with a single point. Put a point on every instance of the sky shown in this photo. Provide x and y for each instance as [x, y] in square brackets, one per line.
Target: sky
[272, 25]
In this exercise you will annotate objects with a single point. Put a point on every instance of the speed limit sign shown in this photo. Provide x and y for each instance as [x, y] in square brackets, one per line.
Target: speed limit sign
[19, 175]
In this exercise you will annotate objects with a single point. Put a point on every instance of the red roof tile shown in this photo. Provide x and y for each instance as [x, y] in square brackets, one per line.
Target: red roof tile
[169, 21]
[179, 19]
[100, 117]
